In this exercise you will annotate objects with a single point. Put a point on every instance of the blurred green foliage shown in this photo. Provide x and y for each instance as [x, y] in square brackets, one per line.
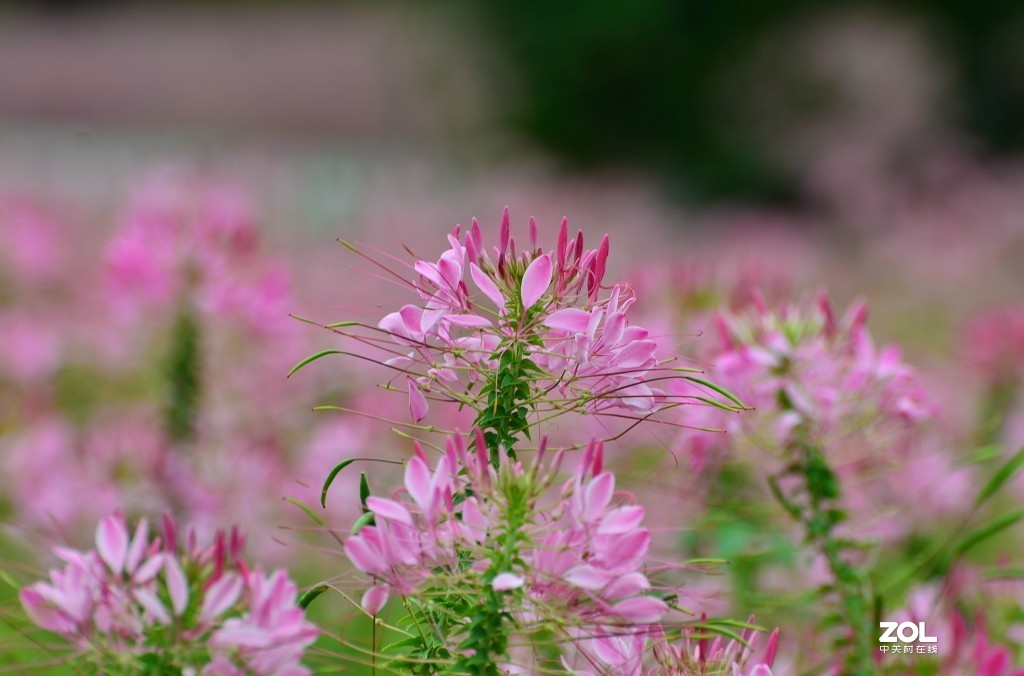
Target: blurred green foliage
[642, 83]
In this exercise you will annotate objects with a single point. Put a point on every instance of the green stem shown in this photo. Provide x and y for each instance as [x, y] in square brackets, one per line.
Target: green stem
[815, 508]
[504, 418]
[183, 373]
[487, 640]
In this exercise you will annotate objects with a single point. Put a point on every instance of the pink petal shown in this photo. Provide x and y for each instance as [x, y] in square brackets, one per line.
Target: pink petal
[621, 520]
[536, 280]
[112, 542]
[137, 549]
[418, 407]
[487, 286]
[624, 551]
[630, 584]
[507, 581]
[773, 646]
[177, 586]
[363, 556]
[469, 321]
[149, 569]
[642, 610]
[417, 482]
[569, 319]
[450, 267]
[598, 495]
[151, 604]
[43, 614]
[588, 577]
[504, 231]
[600, 264]
[614, 327]
[637, 353]
[221, 595]
[374, 599]
[389, 509]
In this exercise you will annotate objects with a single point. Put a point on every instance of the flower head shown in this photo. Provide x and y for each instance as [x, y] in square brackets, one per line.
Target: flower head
[135, 595]
[578, 562]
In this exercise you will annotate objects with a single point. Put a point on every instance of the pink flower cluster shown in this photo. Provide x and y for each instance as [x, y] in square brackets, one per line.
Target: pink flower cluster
[184, 237]
[133, 596]
[86, 343]
[582, 563]
[800, 367]
[551, 302]
[641, 652]
[995, 344]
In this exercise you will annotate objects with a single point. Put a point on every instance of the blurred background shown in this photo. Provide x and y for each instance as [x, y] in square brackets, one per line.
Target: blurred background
[875, 149]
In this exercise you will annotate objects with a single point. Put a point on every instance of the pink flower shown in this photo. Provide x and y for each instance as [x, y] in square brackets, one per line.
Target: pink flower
[582, 559]
[552, 305]
[271, 638]
[114, 600]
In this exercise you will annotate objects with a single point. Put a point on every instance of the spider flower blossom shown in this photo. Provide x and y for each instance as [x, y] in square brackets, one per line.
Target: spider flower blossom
[801, 368]
[580, 559]
[650, 651]
[133, 596]
[475, 306]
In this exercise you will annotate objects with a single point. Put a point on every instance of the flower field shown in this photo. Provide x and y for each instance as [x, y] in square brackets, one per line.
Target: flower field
[507, 447]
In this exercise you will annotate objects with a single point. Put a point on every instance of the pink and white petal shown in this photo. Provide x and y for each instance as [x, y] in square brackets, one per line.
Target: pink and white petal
[418, 482]
[507, 581]
[469, 321]
[536, 280]
[112, 542]
[587, 577]
[621, 520]
[641, 610]
[364, 556]
[628, 585]
[155, 610]
[43, 613]
[418, 407]
[177, 586]
[220, 596]
[389, 509]
[137, 549]
[599, 493]
[487, 286]
[148, 570]
[374, 599]
[568, 319]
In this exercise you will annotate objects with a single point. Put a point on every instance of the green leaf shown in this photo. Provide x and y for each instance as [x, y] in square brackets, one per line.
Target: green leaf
[411, 642]
[717, 388]
[310, 595]
[1004, 474]
[995, 526]
[330, 479]
[716, 629]
[1013, 573]
[312, 357]
[366, 519]
[364, 490]
[308, 510]
[705, 561]
[719, 404]
[737, 623]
